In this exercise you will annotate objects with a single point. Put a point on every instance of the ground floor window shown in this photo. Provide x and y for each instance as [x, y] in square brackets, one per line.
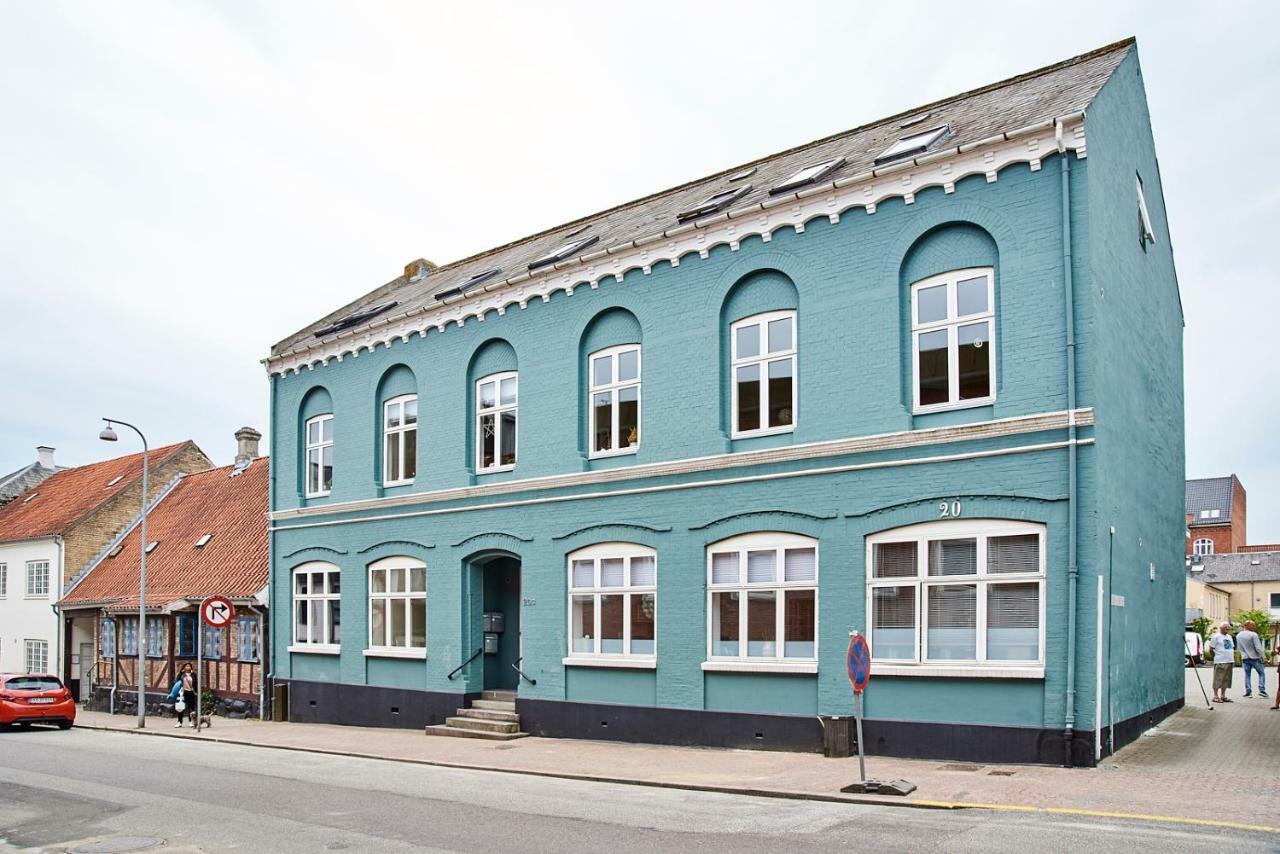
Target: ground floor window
[613, 601]
[317, 605]
[37, 656]
[129, 636]
[212, 642]
[957, 591]
[763, 598]
[397, 605]
[247, 640]
[155, 638]
[107, 638]
[186, 636]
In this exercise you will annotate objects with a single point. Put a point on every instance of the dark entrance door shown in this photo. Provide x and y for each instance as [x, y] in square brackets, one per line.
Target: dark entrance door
[502, 595]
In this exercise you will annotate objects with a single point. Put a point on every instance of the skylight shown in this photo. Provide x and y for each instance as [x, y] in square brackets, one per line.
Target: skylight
[808, 175]
[914, 120]
[358, 316]
[30, 498]
[115, 480]
[714, 203]
[563, 252]
[203, 541]
[119, 548]
[916, 143]
[743, 173]
[152, 546]
[470, 283]
[579, 230]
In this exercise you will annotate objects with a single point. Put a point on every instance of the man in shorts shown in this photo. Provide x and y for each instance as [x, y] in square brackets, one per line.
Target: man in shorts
[1224, 662]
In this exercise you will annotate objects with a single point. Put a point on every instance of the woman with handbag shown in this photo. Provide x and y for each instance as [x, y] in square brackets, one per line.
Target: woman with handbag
[184, 692]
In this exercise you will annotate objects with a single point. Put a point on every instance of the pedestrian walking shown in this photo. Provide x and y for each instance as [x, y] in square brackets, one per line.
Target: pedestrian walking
[1251, 659]
[187, 685]
[1224, 662]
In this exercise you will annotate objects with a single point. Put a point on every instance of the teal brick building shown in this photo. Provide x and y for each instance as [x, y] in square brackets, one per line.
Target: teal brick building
[649, 469]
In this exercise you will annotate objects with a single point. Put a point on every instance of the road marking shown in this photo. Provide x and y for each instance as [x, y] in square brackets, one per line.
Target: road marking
[1171, 819]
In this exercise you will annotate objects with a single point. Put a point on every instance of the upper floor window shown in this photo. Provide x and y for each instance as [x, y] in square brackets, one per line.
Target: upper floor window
[613, 601]
[1203, 546]
[496, 408]
[398, 606]
[964, 591]
[317, 606]
[762, 597]
[400, 440]
[38, 578]
[615, 401]
[4, 579]
[319, 459]
[953, 323]
[764, 371]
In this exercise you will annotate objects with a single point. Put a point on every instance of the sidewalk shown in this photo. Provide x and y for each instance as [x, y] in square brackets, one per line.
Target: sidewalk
[1199, 767]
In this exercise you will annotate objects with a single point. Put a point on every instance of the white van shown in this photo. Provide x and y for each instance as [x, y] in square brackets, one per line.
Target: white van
[1193, 649]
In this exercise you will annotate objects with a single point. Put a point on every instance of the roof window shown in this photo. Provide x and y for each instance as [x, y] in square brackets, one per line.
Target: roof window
[203, 541]
[358, 316]
[916, 143]
[151, 546]
[743, 173]
[579, 230]
[713, 203]
[470, 283]
[808, 175]
[119, 548]
[30, 498]
[114, 481]
[914, 120]
[563, 252]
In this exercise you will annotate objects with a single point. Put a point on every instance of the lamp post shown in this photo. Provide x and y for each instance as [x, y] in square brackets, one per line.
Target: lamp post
[109, 435]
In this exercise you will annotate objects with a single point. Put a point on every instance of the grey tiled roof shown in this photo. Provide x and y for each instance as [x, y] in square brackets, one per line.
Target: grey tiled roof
[1239, 566]
[15, 483]
[1037, 96]
[1210, 493]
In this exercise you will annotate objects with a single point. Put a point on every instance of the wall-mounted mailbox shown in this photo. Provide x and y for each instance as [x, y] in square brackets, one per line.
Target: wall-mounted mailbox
[495, 621]
[490, 643]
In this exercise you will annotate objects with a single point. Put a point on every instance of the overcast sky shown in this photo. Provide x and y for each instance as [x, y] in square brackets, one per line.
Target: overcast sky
[182, 184]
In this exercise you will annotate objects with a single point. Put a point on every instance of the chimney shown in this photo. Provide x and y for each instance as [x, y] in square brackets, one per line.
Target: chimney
[247, 445]
[418, 269]
[44, 456]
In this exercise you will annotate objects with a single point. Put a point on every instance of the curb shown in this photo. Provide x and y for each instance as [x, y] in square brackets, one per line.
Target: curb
[778, 794]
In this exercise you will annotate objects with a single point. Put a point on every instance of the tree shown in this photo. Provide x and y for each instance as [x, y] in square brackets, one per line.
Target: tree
[1261, 620]
[1201, 626]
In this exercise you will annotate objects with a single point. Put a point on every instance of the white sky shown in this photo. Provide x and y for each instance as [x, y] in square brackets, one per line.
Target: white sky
[182, 184]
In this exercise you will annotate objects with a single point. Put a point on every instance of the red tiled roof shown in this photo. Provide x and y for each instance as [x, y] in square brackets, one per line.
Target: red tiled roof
[233, 563]
[52, 507]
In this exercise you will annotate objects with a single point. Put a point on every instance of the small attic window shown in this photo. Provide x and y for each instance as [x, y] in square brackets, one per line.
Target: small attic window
[356, 317]
[152, 546]
[711, 204]
[808, 175]
[743, 173]
[1145, 233]
[916, 143]
[203, 541]
[119, 548]
[114, 481]
[579, 230]
[563, 252]
[32, 497]
[478, 278]
[914, 120]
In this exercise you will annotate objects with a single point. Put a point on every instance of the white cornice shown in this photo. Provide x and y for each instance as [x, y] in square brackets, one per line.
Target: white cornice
[902, 180]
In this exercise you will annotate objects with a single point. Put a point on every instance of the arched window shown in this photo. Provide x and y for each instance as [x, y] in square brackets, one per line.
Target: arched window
[398, 607]
[764, 370]
[968, 591]
[317, 608]
[613, 603]
[615, 401]
[952, 328]
[1202, 547]
[497, 406]
[399, 440]
[762, 598]
[319, 455]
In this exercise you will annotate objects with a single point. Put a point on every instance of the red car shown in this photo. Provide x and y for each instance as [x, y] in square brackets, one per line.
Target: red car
[30, 698]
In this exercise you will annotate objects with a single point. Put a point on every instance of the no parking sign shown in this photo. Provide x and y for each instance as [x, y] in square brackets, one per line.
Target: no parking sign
[858, 661]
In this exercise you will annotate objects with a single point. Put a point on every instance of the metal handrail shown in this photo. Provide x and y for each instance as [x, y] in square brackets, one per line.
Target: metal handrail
[473, 657]
[515, 665]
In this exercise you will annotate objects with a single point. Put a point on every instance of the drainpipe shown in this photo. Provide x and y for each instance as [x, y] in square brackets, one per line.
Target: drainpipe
[270, 675]
[115, 662]
[57, 612]
[262, 682]
[1069, 720]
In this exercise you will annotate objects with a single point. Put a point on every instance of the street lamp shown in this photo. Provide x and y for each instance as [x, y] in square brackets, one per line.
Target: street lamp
[109, 435]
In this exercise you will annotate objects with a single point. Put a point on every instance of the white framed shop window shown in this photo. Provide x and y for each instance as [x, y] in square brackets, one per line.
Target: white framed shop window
[613, 606]
[958, 597]
[762, 603]
[317, 608]
[953, 319]
[398, 608]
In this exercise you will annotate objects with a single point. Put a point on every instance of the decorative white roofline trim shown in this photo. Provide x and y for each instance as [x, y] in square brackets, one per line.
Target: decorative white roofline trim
[904, 179]
[1019, 425]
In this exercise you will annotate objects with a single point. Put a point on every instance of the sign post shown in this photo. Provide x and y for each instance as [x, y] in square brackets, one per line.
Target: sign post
[858, 663]
[215, 612]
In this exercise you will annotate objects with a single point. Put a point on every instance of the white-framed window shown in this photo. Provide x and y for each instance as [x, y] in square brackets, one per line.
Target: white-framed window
[107, 638]
[398, 606]
[317, 607]
[4, 580]
[613, 603]
[36, 656]
[319, 455]
[763, 350]
[762, 599]
[1202, 547]
[37, 578]
[497, 403]
[958, 592]
[399, 440]
[953, 340]
[615, 400]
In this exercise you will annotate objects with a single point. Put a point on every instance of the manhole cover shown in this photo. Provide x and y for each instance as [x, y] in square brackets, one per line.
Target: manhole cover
[119, 845]
[958, 767]
[1001, 773]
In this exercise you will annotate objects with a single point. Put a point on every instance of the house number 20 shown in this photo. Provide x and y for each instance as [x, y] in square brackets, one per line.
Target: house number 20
[948, 509]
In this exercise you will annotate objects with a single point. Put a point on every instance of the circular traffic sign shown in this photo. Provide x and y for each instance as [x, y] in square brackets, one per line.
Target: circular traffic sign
[858, 660]
[217, 611]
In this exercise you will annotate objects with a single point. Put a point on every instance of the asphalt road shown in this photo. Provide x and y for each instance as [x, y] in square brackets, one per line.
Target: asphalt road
[62, 790]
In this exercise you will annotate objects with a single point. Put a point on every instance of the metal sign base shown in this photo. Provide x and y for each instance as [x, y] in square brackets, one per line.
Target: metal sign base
[879, 787]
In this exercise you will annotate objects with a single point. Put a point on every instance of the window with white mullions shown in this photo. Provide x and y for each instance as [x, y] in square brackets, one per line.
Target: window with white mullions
[615, 401]
[497, 398]
[953, 328]
[38, 578]
[317, 605]
[613, 602]
[963, 592]
[400, 440]
[319, 456]
[764, 373]
[36, 656]
[1203, 546]
[397, 605]
[763, 598]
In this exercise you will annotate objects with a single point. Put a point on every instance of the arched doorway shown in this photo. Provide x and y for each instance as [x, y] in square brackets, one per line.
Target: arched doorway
[495, 617]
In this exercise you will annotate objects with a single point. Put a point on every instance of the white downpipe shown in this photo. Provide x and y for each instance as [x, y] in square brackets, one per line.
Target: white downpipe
[1097, 689]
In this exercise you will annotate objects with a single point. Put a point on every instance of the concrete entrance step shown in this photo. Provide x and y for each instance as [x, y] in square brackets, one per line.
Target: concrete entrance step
[456, 732]
[495, 705]
[505, 696]
[482, 725]
[489, 715]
